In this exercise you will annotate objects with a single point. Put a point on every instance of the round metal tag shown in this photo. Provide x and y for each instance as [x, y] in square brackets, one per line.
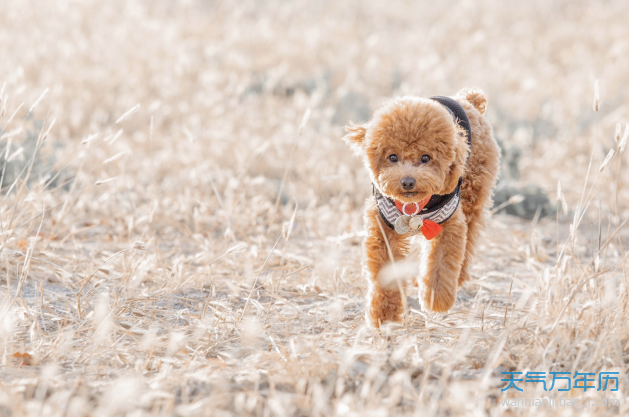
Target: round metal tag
[415, 223]
[401, 224]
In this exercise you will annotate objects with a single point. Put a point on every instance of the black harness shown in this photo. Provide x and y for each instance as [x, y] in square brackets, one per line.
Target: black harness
[440, 207]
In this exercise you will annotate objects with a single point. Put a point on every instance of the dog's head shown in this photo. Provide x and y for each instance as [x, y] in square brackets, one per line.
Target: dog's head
[412, 148]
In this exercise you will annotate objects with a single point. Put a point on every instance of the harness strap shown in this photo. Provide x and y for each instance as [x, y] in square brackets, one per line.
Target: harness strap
[438, 214]
[459, 115]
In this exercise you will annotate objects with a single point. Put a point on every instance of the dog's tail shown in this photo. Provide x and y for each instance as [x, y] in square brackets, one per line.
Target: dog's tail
[476, 97]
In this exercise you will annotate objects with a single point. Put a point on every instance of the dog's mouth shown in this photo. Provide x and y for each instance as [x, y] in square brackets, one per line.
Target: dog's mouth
[411, 196]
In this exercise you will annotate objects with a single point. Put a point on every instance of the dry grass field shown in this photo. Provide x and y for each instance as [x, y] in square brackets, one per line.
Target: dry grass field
[180, 223]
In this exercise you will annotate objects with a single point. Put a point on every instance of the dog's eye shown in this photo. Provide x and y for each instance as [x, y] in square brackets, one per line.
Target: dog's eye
[425, 159]
[393, 158]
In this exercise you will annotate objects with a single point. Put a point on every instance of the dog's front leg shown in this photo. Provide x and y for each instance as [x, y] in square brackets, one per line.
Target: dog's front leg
[440, 264]
[384, 303]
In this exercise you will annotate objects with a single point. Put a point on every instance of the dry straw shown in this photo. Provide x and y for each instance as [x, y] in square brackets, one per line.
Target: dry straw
[205, 260]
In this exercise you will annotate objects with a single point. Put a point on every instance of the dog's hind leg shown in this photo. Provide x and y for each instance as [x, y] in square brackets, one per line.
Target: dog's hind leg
[440, 264]
[384, 301]
[475, 198]
[480, 176]
[475, 225]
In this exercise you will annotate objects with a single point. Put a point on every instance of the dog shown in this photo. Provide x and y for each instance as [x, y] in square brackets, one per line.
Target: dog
[433, 164]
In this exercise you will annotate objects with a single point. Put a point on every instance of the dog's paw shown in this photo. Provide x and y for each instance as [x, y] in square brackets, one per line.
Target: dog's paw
[476, 97]
[383, 306]
[436, 300]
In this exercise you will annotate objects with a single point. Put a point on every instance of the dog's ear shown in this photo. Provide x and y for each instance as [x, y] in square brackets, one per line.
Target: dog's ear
[355, 136]
[476, 97]
[457, 168]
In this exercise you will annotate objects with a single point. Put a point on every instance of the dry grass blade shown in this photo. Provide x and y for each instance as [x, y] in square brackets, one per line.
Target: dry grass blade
[128, 113]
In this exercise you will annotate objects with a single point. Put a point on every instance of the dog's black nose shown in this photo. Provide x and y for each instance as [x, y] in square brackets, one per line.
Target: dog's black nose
[408, 183]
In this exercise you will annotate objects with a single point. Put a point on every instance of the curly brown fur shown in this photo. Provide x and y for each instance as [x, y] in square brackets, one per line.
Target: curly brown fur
[411, 127]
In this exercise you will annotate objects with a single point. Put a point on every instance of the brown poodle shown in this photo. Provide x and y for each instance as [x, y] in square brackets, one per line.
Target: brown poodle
[433, 164]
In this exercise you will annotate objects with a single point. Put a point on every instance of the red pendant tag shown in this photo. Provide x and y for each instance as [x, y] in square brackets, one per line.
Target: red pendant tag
[412, 208]
[430, 229]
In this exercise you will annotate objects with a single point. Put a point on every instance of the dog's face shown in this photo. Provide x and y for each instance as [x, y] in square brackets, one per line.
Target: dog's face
[412, 149]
